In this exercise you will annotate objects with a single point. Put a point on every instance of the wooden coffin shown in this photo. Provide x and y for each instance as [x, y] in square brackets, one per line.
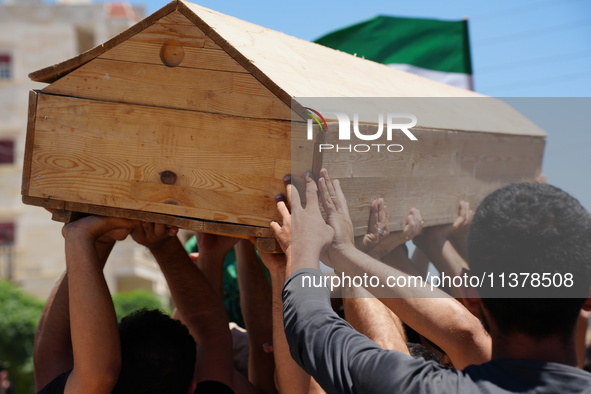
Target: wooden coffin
[189, 118]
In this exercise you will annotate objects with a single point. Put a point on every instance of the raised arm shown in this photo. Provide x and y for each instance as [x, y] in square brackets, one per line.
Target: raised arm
[255, 302]
[446, 245]
[289, 377]
[53, 342]
[200, 306]
[212, 252]
[431, 312]
[363, 311]
[379, 241]
[338, 357]
[93, 324]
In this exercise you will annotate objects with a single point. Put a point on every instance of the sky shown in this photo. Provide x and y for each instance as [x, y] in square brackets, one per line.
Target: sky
[525, 48]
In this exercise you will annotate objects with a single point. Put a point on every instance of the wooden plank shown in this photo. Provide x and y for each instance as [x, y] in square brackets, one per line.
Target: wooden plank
[225, 168]
[198, 49]
[303, 153]
[177, 18]
[56, 71]
[433, 173]
[29, 142]
[194, 14]
[63, 216]
[182, 88]
[201, 58]
[69, 211]
[176, 26]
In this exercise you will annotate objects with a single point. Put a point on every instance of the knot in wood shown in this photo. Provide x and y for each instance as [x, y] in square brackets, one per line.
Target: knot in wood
[168, 177]
[172, 53]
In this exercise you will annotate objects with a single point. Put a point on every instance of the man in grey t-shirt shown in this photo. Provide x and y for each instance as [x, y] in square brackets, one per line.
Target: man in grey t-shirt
[529, 228]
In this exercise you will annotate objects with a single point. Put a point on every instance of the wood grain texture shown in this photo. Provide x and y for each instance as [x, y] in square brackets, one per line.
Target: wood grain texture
[177, 25]
[178, 87]
[200, 51]
[201, 58]
[29, 142]
[226, 168]
[432, 174]
[66, 212]
[63, 216]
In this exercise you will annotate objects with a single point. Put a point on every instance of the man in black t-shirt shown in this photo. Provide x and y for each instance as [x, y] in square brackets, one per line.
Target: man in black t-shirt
[79, 348]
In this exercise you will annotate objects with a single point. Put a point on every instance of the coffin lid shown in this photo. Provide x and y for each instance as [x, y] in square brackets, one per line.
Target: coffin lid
[291, 68]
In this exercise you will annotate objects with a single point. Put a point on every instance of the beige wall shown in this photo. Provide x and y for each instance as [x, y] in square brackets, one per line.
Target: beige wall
[37, 36]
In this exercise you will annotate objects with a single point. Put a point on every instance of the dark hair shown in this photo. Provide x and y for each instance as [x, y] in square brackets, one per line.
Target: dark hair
[157, 352]
[532, 228]
[417, 350]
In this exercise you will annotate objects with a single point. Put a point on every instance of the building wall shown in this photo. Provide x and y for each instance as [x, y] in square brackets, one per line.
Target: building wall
[34, 36]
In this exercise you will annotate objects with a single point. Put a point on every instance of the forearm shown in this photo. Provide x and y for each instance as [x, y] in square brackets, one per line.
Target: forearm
[201, 308]
[53, 342]
[255, 294]
[255, 303]
[191, 292]
[212, 267]
[440, 250]
[52, 353]
[448, 259]
[93, 324]
[420, 261]
[290, 377]
[103, 250]
[449, 325]
[432, 313]
[372, 318]
[390, 242]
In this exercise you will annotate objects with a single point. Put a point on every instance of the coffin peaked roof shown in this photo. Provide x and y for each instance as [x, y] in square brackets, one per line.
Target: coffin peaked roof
[291, 67]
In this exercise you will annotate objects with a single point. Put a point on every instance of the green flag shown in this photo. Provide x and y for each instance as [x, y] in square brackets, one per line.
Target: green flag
[435, 49]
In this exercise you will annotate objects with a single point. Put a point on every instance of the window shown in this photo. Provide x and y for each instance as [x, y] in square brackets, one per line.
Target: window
[5, 66]
[84, 38]
[6, 151]
[7, 230]
[7, 238]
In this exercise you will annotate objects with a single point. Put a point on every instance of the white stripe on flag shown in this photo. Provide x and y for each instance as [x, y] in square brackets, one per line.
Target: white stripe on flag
[459, 80]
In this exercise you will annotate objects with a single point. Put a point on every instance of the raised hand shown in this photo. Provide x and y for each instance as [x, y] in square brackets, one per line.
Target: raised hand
[377, 226]
[462, 222]
[337, 213]
[215, 244]
[283, 232]
[100, 229]
[413, 226]
[276, 263]
[153, 235]
[303, 234]
[460, 228]
[456, 231]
